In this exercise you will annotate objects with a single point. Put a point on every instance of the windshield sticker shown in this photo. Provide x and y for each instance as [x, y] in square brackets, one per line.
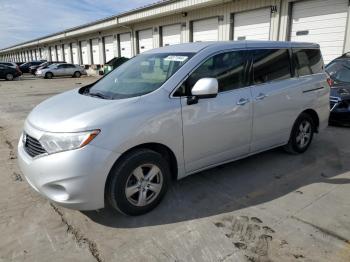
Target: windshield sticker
[176, 58]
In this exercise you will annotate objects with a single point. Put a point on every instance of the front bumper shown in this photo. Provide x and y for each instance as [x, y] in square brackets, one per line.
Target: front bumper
[340, 111]
[74, 179]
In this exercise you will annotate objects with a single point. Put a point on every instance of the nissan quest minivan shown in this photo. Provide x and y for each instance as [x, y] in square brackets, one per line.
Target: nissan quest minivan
[171, 112]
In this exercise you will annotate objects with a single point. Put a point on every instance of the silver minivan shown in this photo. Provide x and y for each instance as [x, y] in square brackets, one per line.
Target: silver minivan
[171, 112]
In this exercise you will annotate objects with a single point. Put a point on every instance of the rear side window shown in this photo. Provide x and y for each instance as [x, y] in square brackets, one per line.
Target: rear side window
[308, 61]
[271, 65]
[228, 68]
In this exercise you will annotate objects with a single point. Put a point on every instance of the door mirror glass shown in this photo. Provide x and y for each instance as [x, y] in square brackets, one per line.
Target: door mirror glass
[206, 88]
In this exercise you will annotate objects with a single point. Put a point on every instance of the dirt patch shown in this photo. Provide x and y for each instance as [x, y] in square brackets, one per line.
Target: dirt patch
[249, 235]
[9, 144]
[17, 177]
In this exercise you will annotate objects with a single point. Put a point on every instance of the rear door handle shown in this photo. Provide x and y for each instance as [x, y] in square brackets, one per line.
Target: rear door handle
[242, 101]
[261, 96]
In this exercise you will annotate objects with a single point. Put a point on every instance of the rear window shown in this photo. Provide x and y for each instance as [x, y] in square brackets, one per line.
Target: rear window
[271, 65]
[308, 61]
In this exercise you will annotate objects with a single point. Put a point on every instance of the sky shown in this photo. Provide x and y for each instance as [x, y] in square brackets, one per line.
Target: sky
[23, 20]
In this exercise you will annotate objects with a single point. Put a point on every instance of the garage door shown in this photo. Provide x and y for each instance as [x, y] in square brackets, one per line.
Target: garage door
[125, 45]
[95, 52]
[171, 35]
[252, 25]
[75, 53]
[109, 48]
[206, 30]
[84, 52]
[37, 55]
[67, 53]
[322, 22]
[53, 53]
[59, 53]
[145, 40]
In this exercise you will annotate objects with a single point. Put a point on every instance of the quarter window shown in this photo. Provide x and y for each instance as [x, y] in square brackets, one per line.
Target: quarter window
[271, 65]
[308, 61]
[228, 68]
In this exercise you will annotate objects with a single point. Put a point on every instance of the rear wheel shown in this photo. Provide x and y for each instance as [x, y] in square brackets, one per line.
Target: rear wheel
[138, 183]
[77, 74]
[9, 77]
[49, 75]
[302, 134]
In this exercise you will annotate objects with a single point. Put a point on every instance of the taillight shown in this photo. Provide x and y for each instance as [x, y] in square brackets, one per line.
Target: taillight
[330, 82]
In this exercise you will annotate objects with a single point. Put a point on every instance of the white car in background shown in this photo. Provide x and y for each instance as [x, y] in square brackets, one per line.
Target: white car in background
[62, 69]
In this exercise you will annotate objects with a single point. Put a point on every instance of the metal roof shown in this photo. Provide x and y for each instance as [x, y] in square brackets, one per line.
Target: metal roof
[132, 11]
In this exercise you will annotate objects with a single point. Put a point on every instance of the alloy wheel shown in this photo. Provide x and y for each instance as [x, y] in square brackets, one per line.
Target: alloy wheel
[144, 185]
[304, 134]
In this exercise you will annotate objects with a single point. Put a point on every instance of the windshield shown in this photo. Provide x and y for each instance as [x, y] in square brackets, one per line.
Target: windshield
[138, 76]
[339, 71]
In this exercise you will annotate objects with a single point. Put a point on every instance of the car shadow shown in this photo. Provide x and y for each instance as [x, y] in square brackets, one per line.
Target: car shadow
[244, 183]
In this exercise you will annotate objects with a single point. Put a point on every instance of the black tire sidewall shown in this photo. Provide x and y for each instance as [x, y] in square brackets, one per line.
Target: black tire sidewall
[115, 192]
[295, 131]
[10, 78]
[48, 75]
[77, 74]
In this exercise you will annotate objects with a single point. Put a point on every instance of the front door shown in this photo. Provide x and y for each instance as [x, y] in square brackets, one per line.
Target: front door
[217, 129]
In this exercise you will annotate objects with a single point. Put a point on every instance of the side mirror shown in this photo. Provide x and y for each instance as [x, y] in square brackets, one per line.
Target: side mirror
[204, 88]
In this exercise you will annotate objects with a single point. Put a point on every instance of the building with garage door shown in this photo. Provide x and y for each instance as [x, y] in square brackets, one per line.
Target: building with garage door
[172, 22]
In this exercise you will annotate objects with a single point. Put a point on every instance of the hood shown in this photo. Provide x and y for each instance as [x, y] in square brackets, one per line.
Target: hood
[72, 112]
[341, 90]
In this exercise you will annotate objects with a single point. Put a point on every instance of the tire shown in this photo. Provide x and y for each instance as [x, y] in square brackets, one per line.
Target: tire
[301, 135]
[9, 77]
[77, 74]
[49, 75]
[131, 172]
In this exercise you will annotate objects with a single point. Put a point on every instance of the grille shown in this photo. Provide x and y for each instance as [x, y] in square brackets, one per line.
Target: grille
[33, 147]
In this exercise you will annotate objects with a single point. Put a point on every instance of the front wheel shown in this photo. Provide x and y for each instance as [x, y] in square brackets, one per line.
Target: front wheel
[76, 74]
[137, 184]
[302, 134]
[9, 77]
[48, 75]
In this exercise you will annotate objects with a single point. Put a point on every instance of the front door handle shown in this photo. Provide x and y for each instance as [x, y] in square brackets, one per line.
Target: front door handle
[261, 96]
[242, 101]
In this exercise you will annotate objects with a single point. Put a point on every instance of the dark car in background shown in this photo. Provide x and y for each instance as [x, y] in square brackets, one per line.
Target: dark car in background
[113, 64]
[8, 72]
[25, 67]
[33, 68]
[339, 72]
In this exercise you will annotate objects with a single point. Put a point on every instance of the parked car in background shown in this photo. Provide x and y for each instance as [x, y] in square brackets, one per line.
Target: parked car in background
[33, 68]
[9, 73]
[25, 67]
[171, 112]
[61, 70]
[19, 63]
[339, 72]
[113, 64]
[10, 64]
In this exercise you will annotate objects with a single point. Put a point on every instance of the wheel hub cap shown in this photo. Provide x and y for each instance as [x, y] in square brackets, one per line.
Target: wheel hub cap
[144, 185]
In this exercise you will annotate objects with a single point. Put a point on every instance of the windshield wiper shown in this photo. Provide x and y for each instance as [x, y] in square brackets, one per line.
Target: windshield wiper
[99, 95]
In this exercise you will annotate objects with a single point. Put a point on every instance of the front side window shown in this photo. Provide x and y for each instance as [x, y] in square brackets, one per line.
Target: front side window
[308, 61]
[141, 75]
[271, 65]
[228, 68]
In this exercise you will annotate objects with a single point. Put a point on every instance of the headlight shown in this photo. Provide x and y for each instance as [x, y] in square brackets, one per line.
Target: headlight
[57, 142]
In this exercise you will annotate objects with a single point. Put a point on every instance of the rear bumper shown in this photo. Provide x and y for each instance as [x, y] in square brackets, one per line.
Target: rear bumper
[74, 179]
